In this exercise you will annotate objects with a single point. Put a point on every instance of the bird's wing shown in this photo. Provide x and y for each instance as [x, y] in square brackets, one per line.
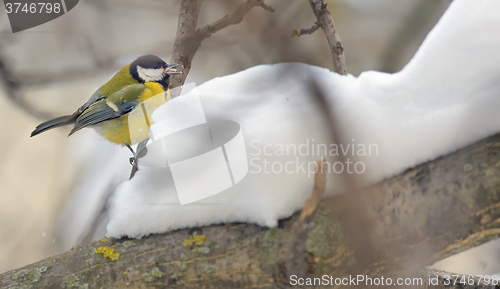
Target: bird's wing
[104, 108]
[95, 96]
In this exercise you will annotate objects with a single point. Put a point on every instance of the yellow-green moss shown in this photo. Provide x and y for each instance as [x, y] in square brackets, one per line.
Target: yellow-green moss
[213, 246]
[194, 240]
[174, 277]
[128, 244]
[156, 272]
[73, 282]
[146, 277]
[209, 268]
[325, 233]
[29, 276]
[108, 253]
[273, 235]
[203, 250]
[114, 256]
[149, 277]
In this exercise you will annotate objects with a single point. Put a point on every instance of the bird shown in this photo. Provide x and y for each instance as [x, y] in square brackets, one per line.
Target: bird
[120, 110]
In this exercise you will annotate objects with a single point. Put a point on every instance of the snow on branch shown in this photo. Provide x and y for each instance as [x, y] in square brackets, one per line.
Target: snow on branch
[447, 216]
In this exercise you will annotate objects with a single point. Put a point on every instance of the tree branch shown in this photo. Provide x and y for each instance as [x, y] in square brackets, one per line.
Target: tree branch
[184, 49]
[325, 21]
[302, 31]
[421, 216]
[232, 19]
[266, 7]
[188, 39]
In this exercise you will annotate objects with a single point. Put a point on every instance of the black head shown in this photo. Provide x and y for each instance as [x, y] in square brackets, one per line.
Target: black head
[151, 68]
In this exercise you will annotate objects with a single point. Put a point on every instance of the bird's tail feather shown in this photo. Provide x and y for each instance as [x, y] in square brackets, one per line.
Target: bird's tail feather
[53, 123]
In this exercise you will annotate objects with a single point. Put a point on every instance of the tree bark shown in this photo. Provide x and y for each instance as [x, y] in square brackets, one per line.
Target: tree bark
[326, 23]
[188, 38]
[430, 212]
[184, 48]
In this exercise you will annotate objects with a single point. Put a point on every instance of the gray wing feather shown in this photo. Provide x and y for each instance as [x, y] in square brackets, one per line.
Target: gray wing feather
[99, 113]
[97, 110]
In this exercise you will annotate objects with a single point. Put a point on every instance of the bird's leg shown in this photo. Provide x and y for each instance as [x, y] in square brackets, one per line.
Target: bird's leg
[141, 152]
[133, 159]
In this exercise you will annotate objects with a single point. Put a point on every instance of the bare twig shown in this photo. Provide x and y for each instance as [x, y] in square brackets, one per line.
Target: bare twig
[302, 31]
[325, 21]
[188, 39]
[232, 19]
[266, 7]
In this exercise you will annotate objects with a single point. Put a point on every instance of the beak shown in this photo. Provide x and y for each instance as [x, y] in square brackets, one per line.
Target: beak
[171, 69]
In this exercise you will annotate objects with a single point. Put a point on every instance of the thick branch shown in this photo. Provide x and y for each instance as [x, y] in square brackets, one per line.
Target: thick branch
[325, 21]
[184, 49]
[421, 216]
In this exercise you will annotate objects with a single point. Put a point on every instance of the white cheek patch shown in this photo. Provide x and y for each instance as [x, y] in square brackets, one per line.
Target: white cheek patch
[150, 74]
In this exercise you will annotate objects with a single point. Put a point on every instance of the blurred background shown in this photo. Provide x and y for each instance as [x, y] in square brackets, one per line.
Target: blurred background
[52, 69]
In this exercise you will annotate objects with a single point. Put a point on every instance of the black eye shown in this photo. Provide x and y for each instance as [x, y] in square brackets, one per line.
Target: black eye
[156, 66]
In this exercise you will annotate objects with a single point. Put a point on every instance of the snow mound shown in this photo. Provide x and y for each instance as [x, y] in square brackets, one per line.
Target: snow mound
[446, 98]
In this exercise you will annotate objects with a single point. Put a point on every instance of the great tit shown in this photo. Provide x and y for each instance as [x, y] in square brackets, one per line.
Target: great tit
[120, 110]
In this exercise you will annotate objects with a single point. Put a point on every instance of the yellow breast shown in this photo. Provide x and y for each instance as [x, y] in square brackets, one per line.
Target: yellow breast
[133, 127]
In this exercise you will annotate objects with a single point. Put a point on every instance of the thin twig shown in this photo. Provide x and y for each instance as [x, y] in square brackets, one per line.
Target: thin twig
[188, 39]
[302, 31]
[232, 19]
[266, 7]
[325, 21]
